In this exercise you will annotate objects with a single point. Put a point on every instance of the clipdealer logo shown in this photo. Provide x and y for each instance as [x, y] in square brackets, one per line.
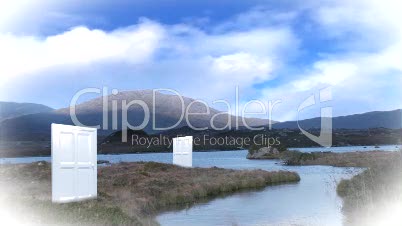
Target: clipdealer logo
[325, 137]
[266, 109]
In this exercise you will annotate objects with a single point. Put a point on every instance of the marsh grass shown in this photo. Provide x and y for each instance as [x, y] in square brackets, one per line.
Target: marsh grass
[128, 193]
[347, 159]
[375, 195]
[371, 193]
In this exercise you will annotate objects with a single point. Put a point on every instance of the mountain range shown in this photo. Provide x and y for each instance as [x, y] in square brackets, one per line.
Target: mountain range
[23, 121]
[167, 111]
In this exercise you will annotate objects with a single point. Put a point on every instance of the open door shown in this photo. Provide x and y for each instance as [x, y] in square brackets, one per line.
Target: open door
[74, 163]
[183, 151]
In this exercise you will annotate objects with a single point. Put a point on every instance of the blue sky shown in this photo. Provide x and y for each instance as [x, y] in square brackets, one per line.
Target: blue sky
[271, 50]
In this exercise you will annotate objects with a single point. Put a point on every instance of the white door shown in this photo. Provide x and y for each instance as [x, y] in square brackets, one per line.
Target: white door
[74, 163]
[183, 151]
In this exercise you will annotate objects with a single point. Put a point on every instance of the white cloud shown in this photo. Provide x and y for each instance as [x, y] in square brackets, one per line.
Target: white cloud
[258, 17]
[25, 55]
[162, 55]
[236, 66]
[373, 22]
[271, 42]
[326, 72]
[222, 61]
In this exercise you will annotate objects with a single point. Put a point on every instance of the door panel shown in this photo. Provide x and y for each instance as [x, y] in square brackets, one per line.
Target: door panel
[74, 159]
[65, 183]
[83, 147]
[84, 181]
[67, 147]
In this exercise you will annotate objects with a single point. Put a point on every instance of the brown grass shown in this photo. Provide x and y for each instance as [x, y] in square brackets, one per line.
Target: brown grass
[347, 159]
[128, 193]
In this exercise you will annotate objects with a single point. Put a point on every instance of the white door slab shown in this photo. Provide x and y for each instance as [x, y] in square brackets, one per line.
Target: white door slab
[74, 163]
[183, 151]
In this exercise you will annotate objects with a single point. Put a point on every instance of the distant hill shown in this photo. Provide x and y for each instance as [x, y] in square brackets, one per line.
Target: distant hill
[167, 113]
[36, 126]
[12, 109]
[374, 119]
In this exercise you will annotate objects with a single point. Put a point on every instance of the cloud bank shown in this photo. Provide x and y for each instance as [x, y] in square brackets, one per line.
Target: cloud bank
[355, 47]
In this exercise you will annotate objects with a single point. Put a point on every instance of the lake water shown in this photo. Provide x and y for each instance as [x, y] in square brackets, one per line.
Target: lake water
[167, 157]
[312, 201]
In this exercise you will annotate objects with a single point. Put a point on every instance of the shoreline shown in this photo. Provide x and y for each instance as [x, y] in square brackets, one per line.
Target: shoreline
[215, 150]
[368, 196]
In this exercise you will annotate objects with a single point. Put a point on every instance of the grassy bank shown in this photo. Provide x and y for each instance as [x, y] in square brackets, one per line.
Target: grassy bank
[128, 193]
[347, 159]
[374, 197]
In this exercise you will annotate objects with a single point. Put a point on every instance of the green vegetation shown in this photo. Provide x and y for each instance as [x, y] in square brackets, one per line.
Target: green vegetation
[128, 193]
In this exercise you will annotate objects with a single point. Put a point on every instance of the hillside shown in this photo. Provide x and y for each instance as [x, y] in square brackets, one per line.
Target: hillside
[12, 109]
[374, 119]
[167, 111]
